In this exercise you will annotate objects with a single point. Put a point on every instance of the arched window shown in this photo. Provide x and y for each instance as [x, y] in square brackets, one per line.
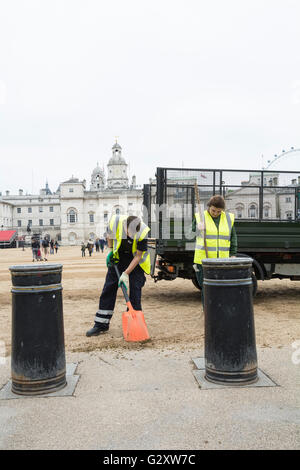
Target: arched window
[239, 211]
[252, 211]
[92, 217]
[267, 211]
[72, 216]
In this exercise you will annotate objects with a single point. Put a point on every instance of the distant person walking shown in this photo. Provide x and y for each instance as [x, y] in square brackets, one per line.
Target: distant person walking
[45, 245]
[101, 243]
[83, 248]
[97, 244]
[90, 246]
[52, 247]
[35, 246]
[105, 240]
[56, 245]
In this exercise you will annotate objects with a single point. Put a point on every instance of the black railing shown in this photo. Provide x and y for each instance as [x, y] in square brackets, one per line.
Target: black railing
[265, 191]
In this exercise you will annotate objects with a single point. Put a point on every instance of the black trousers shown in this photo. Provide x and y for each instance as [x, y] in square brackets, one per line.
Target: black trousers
[199, 275]
[108, 296]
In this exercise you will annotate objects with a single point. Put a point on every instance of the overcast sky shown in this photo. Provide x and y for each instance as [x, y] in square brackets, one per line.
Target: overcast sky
[181, 83]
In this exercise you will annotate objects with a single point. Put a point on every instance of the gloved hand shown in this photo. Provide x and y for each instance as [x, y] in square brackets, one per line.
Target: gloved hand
[124, 279]
[109, 259]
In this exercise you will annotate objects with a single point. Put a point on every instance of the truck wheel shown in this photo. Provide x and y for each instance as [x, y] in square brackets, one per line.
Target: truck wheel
[195, 282]
[254, 280]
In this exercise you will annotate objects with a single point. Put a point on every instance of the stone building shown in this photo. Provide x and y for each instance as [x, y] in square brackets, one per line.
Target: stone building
[279, 202]
[74, 213]
[40, 212]
[85, 213]
[6, 215]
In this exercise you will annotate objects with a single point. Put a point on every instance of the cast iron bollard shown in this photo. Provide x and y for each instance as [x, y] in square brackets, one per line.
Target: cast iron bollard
[38, 364]
[230, 349]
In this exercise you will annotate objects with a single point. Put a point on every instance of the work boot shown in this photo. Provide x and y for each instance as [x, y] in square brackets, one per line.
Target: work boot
[97, 329]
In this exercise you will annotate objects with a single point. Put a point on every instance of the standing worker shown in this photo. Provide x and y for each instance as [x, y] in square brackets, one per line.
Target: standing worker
[220, 236]
[127, 244]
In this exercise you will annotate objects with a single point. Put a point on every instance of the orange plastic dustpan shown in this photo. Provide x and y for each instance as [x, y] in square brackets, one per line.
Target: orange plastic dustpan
[133, 321]
[134, 325]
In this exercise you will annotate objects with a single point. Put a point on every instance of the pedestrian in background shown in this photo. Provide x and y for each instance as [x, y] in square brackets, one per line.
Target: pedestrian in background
[45, 245]
[101, 243]
[90, 246]
[35, 245]
[83, 248]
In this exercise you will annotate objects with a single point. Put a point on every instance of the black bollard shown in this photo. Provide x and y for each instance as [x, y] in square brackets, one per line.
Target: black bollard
[38, 364]
[230, 349]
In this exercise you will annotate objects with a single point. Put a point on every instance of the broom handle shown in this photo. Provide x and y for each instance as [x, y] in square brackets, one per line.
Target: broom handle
[124, 290]
[199, 210]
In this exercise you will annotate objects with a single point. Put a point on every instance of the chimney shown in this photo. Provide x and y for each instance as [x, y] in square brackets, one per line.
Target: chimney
[20, 192]
[7, 193]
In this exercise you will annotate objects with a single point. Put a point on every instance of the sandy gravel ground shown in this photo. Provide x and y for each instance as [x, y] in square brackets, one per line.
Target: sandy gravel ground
[172, 309]
[144, 396]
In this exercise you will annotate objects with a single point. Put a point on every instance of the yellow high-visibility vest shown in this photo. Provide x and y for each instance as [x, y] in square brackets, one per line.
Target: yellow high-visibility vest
[217, 241]
[116, 227]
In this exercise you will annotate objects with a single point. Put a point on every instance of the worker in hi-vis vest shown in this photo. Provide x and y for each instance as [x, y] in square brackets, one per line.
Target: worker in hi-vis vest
[215, 235]
[127, 244]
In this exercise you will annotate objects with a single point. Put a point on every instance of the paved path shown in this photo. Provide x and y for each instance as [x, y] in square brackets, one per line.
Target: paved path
[149, 399]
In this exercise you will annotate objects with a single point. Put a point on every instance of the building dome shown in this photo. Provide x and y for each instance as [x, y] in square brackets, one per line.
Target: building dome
[97, 179]
[116, 157]
[117, 169]
[98, 170]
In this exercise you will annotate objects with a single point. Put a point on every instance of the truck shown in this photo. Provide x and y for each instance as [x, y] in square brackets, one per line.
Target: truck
[266, 205]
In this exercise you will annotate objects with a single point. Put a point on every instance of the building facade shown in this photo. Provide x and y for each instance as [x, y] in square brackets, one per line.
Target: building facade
[6, 215]
[279, 202]
[74, 213]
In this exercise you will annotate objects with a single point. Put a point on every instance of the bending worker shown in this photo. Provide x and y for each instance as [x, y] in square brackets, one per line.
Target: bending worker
[215, 237]
[127, 244]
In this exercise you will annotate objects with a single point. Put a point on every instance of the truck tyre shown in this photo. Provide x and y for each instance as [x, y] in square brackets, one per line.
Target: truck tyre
[195, 282]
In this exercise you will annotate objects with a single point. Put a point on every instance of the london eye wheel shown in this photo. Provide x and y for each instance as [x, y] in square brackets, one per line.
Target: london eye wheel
[287, 161]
